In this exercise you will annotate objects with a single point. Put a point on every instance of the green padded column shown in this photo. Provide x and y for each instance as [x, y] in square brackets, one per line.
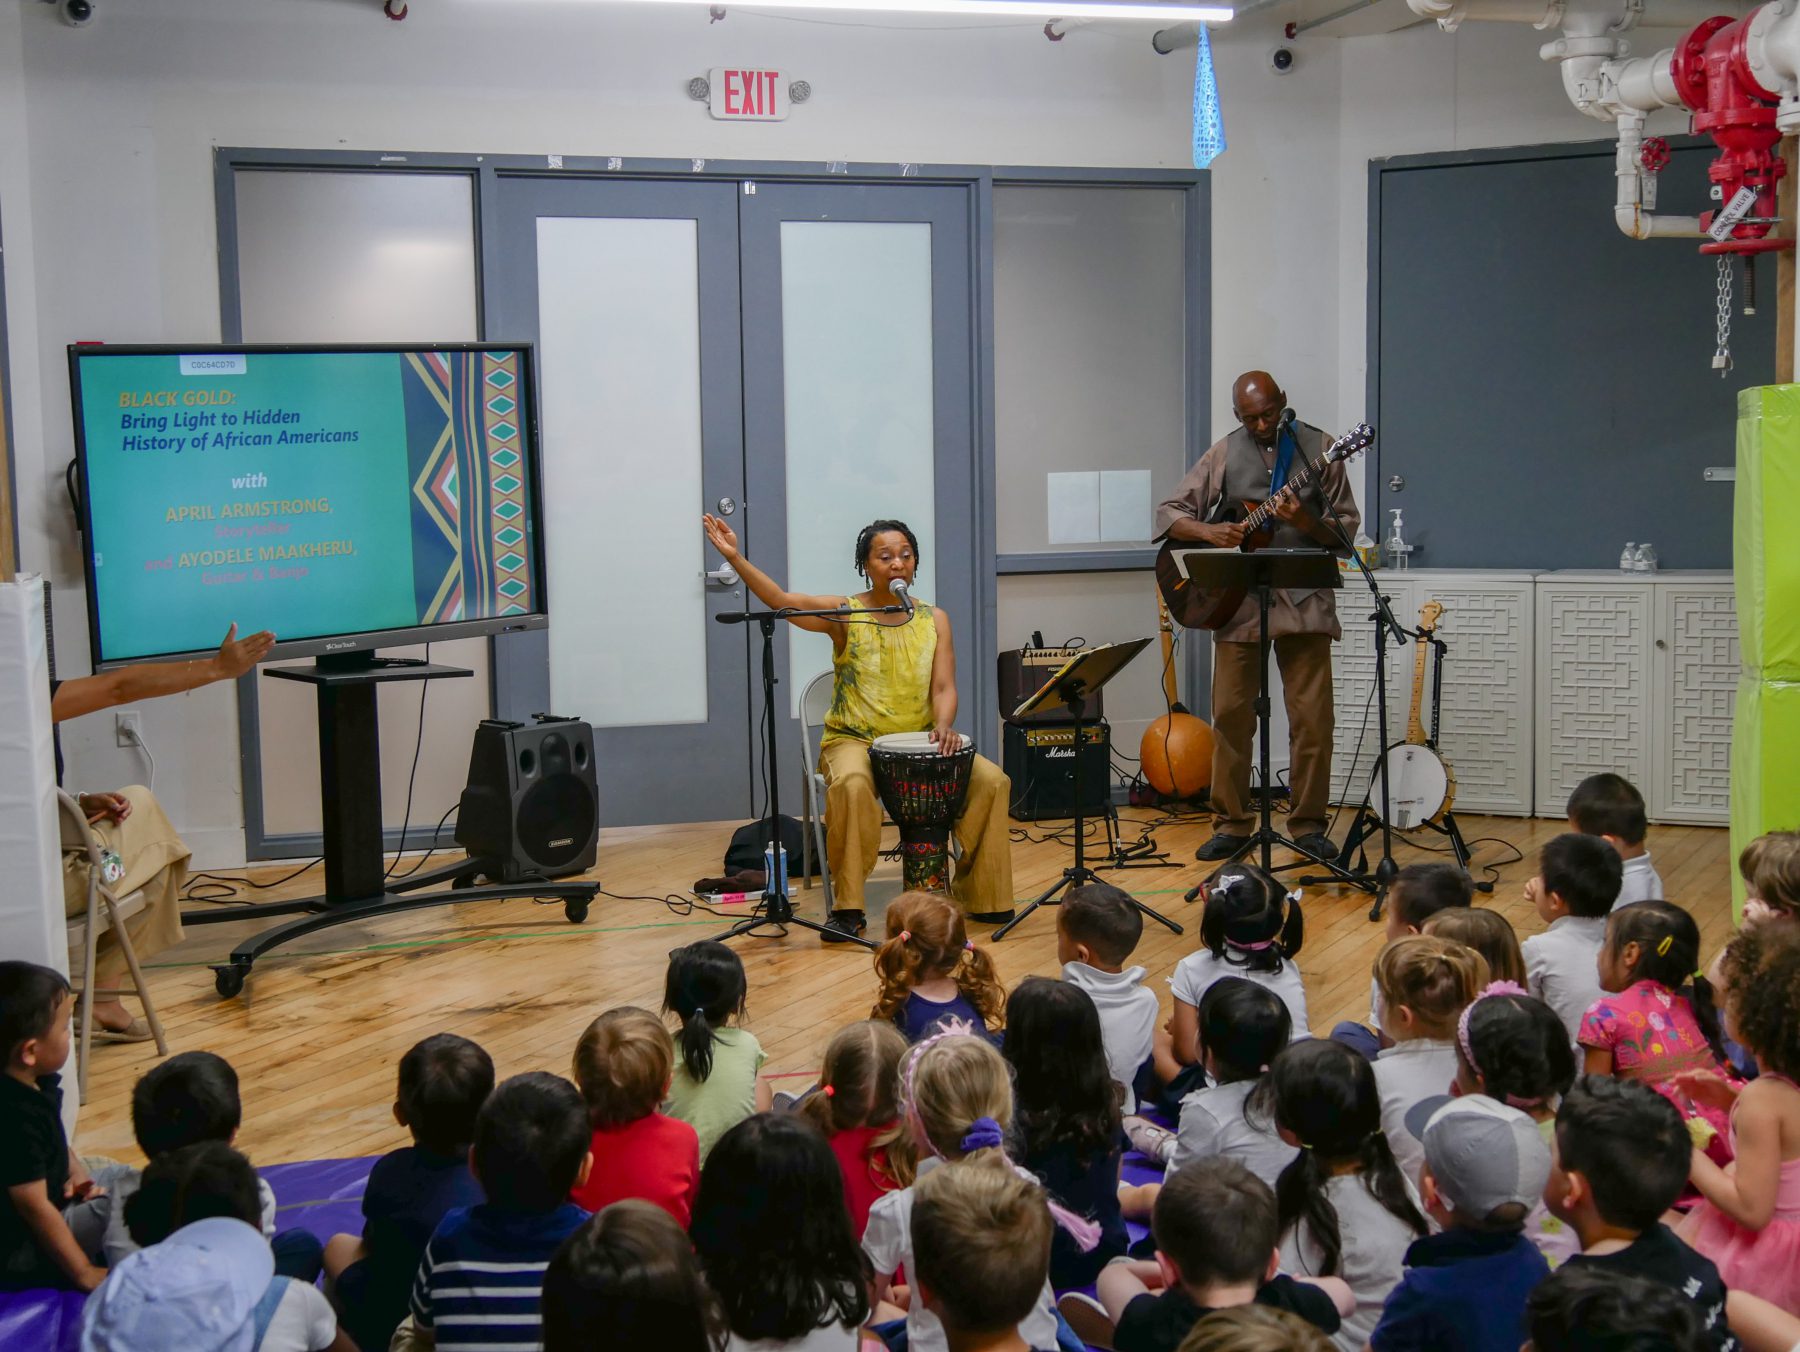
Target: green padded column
[1765, 744]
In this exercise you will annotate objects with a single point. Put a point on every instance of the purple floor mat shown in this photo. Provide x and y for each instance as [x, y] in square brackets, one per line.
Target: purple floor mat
[320, 1196]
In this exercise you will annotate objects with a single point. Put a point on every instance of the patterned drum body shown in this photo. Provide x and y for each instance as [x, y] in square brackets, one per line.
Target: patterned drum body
[924, 793]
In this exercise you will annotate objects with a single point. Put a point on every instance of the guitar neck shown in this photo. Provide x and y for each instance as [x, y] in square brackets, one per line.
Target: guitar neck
[1259, 516]
[1168, 651]
[1415, 725]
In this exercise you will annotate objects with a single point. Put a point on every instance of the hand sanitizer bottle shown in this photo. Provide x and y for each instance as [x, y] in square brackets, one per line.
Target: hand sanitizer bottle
[1628, 559]
[1396, 547]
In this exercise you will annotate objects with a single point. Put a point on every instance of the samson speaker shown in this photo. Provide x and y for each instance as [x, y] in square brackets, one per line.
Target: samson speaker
[1050, 774]
[531, 801]
[1025, 671]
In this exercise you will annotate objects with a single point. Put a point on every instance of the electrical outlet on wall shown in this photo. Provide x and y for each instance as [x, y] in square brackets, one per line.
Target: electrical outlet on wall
[127, 727]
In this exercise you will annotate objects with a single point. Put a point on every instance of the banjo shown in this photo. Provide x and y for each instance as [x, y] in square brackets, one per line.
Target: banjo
[1421, 785]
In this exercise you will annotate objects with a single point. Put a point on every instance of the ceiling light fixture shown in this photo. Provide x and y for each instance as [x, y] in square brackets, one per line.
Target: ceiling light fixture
[1164, 13]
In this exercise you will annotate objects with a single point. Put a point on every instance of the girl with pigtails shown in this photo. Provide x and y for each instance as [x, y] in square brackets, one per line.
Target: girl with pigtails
[931, 972]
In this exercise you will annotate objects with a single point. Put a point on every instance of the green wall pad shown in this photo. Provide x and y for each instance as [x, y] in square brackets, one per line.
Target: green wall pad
[1765, 750]
[1765, 536]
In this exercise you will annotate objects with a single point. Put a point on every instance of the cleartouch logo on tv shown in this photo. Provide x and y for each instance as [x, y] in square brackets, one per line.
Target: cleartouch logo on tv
[215, 364]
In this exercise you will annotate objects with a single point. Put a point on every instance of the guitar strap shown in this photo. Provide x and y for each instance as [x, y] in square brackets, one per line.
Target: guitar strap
[1284, 460]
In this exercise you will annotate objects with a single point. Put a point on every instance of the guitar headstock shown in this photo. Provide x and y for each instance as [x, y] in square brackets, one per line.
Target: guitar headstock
[1429, 614]
[1352, 444]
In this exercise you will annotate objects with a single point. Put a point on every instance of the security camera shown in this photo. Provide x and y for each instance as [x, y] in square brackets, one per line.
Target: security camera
[77, 13]
[1281, 60]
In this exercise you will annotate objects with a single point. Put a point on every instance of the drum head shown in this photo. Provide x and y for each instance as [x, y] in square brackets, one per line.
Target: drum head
[906, 744]
[1417, 786]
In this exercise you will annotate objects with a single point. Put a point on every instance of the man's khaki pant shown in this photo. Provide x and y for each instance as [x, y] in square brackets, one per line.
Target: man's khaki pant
[1305, 664]
[983, 881]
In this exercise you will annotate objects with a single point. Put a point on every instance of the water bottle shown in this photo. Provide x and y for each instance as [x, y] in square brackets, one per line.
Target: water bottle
[1645, 559]
[775, 867]
[1396, 547]
[1628, 559]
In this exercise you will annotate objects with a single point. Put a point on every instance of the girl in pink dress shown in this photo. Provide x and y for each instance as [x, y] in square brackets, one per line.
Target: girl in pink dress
[1749, 1220]
[1657, 1019]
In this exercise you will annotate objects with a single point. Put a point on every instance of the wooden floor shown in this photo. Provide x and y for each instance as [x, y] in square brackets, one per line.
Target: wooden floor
[318, 1032]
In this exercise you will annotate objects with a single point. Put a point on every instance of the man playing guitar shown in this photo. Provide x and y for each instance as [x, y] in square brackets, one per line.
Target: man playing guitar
[1251, 462]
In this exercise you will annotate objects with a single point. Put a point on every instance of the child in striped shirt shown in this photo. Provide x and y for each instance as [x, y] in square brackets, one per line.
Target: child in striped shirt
[480, 1284]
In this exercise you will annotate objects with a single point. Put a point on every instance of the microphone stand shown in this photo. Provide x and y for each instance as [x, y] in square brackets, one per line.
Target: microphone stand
[1385, 626]
[776, 908]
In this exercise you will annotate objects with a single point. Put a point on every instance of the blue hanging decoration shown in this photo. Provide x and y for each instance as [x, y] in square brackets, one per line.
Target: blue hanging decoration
[1209, 122]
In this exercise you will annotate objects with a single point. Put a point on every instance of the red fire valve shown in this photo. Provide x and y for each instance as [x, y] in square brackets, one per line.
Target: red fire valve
[1712, 75]
[1654, 154]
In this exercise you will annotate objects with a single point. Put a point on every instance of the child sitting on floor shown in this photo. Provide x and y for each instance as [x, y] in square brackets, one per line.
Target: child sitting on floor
[1575, 886]
[1511, 1047]
[1418, 892]
[483, 1271]
[1216, 1227]
[1770, 869]
[931, 972]
[203, 1182]
[1579, 1310]
[1622, 1158]
[1487, 932]
[1426, 984]
[625, 1281]
[53, 1224]
[981, 1244]
[1251, 927]
[623, 1066]
[717, 1081]
[1066, 1117]
[1097, 928]
[1346, 1208]
[1609, 806]
[1484, 1167]
[443, 1081]
[857, 1110]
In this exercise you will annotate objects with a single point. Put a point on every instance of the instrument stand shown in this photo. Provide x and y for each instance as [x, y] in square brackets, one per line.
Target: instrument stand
[356, 887]
[1083, 675]
[776, 907]
[1144, 853]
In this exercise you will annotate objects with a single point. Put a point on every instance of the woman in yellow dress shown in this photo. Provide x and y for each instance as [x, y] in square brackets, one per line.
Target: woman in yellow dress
[893, 673]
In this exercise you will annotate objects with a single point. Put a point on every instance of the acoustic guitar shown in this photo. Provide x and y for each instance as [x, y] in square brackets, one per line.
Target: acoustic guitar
[1213, 607]
[1421, 784]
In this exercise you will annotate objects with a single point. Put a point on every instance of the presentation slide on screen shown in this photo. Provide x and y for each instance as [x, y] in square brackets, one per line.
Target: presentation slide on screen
[307, 493]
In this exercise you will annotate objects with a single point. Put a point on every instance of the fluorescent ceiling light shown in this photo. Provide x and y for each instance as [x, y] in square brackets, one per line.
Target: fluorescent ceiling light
[1021, 9]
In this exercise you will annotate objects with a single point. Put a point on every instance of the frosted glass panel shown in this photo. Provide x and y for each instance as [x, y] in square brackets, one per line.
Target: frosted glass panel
[856, 353]
[619, 351]
[1090, 360]
[363, 258]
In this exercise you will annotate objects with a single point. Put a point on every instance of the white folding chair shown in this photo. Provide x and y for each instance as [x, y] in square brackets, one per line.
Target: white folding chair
[105, 911]
[815, 702]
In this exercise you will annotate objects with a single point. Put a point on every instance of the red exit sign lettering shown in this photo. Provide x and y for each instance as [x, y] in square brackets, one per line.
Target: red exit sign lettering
[740, 95]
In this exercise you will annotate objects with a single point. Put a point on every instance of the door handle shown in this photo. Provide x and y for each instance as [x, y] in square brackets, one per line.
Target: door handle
[725, 575]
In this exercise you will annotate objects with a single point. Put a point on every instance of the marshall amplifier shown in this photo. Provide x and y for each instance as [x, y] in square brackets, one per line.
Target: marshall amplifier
[1048, 770]
[1025, 671]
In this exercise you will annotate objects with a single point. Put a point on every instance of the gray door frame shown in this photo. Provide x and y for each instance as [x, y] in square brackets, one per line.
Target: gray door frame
[510, 668]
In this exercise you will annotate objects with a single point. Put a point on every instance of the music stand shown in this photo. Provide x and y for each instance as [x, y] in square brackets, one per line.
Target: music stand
[1082, 675]
[1262, 572]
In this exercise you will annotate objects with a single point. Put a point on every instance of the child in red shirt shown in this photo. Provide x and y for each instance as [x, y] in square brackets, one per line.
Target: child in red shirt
[622, 1065]
[857, 1108]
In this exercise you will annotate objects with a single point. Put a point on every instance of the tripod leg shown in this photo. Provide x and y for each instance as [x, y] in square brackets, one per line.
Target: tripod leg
[1457, 844]
[1071, 877]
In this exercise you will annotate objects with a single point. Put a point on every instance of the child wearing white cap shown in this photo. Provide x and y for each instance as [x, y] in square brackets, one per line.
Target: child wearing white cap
[1467, 1286]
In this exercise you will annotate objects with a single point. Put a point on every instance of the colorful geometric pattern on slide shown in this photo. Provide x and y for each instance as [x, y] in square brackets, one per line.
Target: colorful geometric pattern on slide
[471, 555]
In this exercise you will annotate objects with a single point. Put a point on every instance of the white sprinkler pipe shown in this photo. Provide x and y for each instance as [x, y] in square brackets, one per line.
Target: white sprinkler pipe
[1637, 190]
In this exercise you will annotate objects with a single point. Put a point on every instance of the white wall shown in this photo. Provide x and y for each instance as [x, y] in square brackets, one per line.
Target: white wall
[106, 181]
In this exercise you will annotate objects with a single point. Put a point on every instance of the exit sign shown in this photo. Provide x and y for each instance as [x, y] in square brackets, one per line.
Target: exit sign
[748, 95]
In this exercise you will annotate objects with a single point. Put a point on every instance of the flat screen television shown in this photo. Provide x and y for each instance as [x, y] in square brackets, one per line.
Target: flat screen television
[346, 497]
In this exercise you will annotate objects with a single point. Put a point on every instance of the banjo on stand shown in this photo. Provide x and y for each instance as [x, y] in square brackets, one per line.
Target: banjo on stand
[1421, 786]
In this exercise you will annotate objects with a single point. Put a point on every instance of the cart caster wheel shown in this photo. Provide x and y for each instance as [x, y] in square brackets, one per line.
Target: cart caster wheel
[229, 980]
[577, 911]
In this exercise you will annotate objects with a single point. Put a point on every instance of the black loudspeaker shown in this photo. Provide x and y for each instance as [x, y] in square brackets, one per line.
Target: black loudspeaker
[1048, 771]
[531, 801]
[1025, 671]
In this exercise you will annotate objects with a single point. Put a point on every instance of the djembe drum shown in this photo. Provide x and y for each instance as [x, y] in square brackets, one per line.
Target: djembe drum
[923, 791]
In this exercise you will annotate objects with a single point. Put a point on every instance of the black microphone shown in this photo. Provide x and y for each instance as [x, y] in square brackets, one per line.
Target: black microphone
[1288, 419]
[899, 589]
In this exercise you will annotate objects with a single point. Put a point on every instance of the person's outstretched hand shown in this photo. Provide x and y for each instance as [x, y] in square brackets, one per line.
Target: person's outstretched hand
[238, 655]
[723, 537]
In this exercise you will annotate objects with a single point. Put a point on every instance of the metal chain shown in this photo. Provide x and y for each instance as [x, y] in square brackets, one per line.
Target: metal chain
[1722, 354]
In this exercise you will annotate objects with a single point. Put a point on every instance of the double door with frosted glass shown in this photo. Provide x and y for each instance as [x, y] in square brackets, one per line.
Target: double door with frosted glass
[796, 357]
